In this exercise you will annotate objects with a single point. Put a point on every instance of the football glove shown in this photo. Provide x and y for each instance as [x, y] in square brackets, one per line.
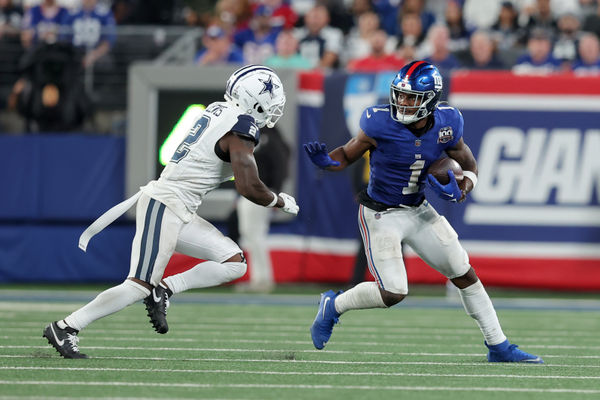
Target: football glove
[289, 204]
[319, 155]
[448, 192]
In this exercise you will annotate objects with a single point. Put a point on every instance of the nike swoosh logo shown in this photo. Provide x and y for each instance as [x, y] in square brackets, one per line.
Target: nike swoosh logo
[59, 342]
[368, 115]
[449, 195]
[156, 299]
[325, 305]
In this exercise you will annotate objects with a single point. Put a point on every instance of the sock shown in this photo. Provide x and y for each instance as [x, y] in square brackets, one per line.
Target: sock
[478, 306]
[363, 295]
[206, 274]
[108, 302]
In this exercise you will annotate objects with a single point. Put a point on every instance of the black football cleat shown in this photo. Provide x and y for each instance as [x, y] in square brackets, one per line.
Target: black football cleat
[156, 305]
[65, 341]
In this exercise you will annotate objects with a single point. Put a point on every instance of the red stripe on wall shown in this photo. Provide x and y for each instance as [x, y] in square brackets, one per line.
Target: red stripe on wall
[561, 274]
[311, 80]
[489, 82]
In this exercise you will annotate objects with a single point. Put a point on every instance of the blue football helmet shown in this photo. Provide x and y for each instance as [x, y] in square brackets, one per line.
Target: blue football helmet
[415, 92]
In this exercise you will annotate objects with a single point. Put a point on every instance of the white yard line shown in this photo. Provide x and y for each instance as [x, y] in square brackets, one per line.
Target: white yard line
[326, 362]
[278, 328]
[306, 341]
[310, 387]
[229, 350]
[319, 373]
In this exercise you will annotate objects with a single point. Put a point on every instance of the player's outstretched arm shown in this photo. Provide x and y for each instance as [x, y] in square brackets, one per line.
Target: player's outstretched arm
[342, 156]
[463, 155]
[247, 181]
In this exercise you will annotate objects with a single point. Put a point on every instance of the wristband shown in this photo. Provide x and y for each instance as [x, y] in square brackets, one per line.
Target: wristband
[272, 204]
[471, 175]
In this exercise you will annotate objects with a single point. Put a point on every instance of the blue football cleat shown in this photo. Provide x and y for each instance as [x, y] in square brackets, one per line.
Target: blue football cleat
[506, 352]
[327, 316]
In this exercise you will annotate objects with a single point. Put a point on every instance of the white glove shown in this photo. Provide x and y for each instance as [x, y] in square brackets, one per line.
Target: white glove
[289, 204]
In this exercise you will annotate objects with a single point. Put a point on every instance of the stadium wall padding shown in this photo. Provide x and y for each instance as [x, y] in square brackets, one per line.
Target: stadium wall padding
[533, 221]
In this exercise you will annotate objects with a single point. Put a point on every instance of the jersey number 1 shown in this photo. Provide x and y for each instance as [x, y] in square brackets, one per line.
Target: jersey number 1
[413, 181]
[192, 137]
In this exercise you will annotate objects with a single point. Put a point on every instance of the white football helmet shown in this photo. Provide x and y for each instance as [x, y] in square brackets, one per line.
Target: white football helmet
[256, 90]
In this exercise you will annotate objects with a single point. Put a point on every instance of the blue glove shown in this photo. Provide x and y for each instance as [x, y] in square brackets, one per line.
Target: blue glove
[450, 191]
[319, 155]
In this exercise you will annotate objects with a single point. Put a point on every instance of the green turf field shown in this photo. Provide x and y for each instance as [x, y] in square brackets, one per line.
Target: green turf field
[229, 346]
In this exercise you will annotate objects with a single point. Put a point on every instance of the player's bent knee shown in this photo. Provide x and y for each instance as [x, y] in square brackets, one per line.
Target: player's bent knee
[390, 299]
[465, 280]
[235, 270]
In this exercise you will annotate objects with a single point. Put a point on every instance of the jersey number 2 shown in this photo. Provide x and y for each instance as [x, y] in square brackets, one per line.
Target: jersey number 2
[192, 137]
[413, 181]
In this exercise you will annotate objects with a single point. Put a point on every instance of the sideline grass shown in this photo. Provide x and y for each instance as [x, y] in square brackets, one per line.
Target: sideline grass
[235, 350]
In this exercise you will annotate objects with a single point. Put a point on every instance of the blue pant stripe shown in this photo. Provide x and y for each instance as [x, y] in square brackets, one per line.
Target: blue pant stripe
[138, 270]
[155, 241]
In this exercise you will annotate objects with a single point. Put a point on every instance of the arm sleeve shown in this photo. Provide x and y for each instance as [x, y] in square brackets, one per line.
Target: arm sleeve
[246, 128]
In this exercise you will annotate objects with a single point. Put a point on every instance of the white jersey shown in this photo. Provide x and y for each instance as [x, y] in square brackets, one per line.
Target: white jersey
[195, 169]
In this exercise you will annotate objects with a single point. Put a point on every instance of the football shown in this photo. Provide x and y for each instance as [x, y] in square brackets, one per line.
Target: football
[439, 169]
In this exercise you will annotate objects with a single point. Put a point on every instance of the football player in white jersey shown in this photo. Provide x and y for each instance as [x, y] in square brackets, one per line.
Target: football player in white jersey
[219, 146]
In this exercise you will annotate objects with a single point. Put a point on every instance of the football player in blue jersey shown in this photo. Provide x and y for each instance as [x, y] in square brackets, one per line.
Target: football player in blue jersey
[404, 137]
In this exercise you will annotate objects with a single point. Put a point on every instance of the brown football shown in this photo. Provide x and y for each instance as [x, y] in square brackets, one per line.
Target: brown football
[439, 169]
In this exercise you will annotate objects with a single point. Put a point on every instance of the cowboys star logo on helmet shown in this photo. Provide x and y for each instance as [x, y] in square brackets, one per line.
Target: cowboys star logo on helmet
[269, 86]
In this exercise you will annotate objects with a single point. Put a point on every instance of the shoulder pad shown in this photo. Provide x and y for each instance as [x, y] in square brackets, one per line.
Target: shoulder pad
[245, 127]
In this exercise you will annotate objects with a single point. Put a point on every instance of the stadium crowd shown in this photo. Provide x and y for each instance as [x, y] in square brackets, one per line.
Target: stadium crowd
[525, 36]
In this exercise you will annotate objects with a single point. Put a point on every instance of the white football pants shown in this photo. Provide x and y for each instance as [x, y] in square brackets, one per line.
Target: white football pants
[159, 232]
[423, 229]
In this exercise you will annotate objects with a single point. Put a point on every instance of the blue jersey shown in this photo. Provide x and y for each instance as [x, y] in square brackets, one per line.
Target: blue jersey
[90, 27]
[400, 161]
[44, 24]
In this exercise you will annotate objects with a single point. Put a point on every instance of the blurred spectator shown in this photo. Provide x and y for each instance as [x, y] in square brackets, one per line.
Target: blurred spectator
[10, 19]
[92, 29]
[283, 16]
[459, 31]
[589, 56]
[379, 59]
[50, 94]
[418, 7]
[481, 13]
[483, 53]
[319, 42]
[218, 48]
[357, 42]
[42, 23]
[339, 14]
[387, 10]
[506, 31]
[538, 60]
[438, 43]
[257, 42]
[565, 47]
[558, 7]
[234, 14]
[359, 7]
[539, 16]
[591, 22]
[287, 53]
[411, 36]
